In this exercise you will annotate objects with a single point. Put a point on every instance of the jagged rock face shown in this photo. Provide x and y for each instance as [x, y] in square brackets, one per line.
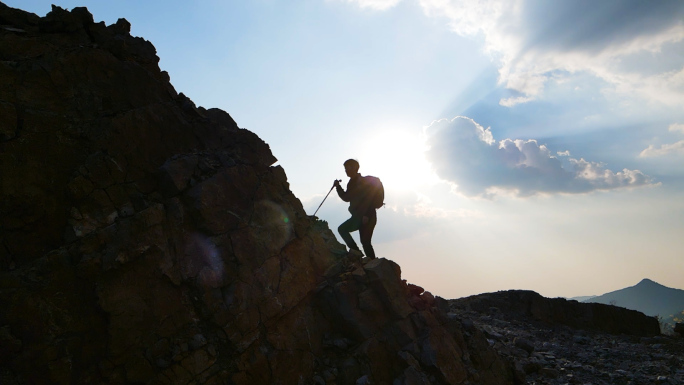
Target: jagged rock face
[587, 316]
[144, 240]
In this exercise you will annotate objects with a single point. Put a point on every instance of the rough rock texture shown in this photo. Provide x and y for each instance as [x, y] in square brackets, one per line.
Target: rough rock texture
[146, 240]
[679, 329]
[589, 316]
[546, 353]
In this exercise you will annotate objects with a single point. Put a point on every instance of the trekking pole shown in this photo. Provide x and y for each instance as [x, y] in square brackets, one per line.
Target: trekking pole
[326, 197]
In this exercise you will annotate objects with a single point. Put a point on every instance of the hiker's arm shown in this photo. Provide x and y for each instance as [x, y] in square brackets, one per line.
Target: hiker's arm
[344, 195]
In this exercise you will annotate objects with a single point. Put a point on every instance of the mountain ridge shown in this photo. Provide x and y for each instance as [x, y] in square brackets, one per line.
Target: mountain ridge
[648, 297]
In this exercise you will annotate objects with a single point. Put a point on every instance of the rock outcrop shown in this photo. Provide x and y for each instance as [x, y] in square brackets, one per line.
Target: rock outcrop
[578, 315]
[679, 329]
[147, 240]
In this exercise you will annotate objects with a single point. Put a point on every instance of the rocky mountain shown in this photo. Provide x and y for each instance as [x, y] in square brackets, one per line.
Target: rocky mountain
[648, 297]
[147, 240]
[144, 239]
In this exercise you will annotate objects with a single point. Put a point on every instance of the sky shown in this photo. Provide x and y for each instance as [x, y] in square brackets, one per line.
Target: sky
[523, 144]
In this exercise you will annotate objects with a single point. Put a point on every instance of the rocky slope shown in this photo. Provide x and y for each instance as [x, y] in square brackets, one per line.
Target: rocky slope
[536, 334]
[146, 240]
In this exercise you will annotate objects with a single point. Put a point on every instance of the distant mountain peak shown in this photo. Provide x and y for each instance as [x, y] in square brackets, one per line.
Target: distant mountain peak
[648, 297]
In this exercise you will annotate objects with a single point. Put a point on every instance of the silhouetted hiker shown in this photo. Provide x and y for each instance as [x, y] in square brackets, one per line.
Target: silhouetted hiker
[364, 194]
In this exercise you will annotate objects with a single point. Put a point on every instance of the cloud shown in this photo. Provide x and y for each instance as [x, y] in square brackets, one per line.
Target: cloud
[664, 149]
[676, 127]
[535, 41]
[463, 152]
[510, 102]
[379, 5]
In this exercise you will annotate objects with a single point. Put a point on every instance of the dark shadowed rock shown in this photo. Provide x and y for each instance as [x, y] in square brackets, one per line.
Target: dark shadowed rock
[144, 239]
[591, 316]
[679, 329]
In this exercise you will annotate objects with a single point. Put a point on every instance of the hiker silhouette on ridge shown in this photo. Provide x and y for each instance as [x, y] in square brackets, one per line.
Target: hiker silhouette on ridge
[364, 196]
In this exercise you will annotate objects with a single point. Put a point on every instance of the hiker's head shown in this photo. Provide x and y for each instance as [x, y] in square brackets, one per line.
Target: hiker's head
[351, 167]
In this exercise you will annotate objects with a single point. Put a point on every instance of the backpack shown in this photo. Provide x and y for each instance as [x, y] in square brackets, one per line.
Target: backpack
[375, 191]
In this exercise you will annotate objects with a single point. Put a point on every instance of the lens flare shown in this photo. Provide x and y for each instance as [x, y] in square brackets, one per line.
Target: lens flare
[202, 260]
[272, 224]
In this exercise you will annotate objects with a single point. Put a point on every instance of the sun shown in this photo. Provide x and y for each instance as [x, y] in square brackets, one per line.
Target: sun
[398, 159]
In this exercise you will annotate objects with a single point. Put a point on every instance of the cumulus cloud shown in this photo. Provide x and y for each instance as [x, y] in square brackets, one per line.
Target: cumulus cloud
[463, 152]
[535, 41]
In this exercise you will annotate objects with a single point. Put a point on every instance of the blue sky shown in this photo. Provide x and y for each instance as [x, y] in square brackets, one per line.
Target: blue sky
[523, 144]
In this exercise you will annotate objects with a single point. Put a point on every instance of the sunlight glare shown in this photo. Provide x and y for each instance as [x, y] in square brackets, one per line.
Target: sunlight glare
[398, 159]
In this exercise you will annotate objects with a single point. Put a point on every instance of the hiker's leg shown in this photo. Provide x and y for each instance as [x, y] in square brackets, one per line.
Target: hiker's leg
[351, 224]
[366, 233]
